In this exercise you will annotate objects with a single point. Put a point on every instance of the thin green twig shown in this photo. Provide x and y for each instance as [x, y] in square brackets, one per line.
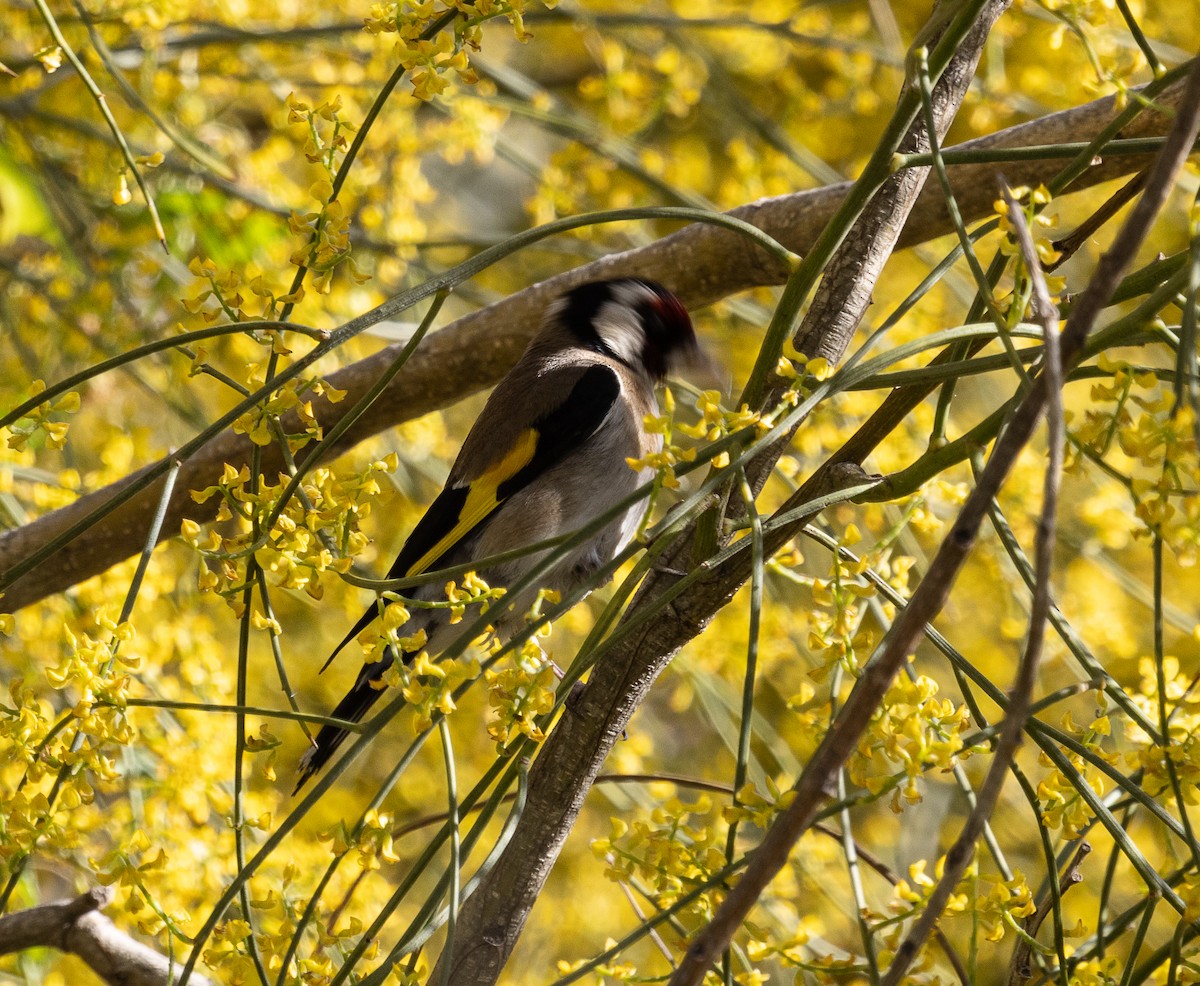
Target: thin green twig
[102, 105]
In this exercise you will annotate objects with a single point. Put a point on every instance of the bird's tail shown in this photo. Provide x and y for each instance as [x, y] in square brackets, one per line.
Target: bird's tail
[353, 707]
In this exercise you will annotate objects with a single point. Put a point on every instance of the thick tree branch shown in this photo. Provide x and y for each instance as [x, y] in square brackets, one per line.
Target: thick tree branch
[78, 927]
[701, 263]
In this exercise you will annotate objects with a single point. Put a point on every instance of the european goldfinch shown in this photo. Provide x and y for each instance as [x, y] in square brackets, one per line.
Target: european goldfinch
[548, 454]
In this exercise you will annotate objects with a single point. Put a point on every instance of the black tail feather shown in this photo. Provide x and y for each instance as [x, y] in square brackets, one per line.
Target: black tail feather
[353, 707]
[364, 621]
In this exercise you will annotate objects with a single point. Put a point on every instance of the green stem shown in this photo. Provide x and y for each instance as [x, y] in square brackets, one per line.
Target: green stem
[455, 866]
[1031, 152]
[148, 349]
[102, 104]
[746, 729]
[248, 710]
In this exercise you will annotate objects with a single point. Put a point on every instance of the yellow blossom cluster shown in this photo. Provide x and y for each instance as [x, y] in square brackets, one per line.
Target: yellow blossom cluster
[1033, 202]
[717, 422]
[913, 731]
[224, 298]
[429, 60]
[428, 686]
[38, 426]
[668, 854]
[1161, 766]
[520, 695]
[836, 630]
[304, 542]
[758, 808]
[371, 840]
[1061, 804]
[62, 757]
[1137, 425]
[664, 461]
[1004, 905]
[908, 895]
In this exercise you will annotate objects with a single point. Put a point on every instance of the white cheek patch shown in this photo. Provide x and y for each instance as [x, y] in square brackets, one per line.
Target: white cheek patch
[621, 331]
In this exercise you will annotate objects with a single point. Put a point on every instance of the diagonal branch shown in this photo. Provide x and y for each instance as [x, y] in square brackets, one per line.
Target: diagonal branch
[700, 263]
[1020, 700]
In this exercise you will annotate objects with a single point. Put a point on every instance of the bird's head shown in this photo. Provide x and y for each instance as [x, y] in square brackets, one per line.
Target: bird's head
[638, 322]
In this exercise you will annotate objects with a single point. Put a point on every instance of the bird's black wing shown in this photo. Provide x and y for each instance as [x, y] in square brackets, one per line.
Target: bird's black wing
[459, 512]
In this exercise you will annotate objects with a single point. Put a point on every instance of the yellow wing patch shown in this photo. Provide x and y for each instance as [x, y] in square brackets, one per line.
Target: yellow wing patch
[482, 497]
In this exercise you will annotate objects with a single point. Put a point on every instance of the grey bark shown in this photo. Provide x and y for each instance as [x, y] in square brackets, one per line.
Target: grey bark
[78, 926]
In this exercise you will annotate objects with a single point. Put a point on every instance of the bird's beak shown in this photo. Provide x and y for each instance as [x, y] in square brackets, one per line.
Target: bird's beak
[695, 365]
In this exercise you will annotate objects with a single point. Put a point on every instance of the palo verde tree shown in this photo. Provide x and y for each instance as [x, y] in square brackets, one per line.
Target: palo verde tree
[898, 682]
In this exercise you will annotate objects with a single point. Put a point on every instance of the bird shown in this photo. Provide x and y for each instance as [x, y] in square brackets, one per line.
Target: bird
[549, 453]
